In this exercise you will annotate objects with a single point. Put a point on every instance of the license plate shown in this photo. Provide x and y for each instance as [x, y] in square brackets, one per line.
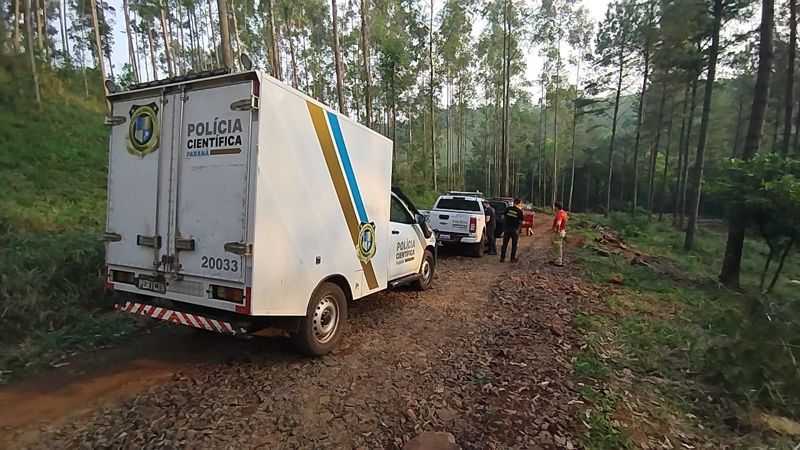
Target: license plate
[444, 237]
[152, 285]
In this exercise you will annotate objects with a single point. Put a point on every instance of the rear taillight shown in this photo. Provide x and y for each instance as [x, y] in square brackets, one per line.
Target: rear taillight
[107, 284]
[473, 224]
[229, 294]
[120, 276]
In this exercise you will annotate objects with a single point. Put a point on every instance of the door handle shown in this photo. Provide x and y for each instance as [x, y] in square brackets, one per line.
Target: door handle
[395, 232]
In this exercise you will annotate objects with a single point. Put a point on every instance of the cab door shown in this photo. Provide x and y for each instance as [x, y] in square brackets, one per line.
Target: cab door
[406, 251]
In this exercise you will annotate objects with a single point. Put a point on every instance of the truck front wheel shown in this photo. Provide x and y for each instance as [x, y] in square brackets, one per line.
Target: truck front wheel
[323, 326]
[426, 271]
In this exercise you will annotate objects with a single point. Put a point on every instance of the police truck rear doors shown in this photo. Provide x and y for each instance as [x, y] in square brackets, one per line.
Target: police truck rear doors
[178, 186]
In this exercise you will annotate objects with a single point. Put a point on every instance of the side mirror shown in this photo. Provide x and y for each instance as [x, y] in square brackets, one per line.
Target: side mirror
[421, 219]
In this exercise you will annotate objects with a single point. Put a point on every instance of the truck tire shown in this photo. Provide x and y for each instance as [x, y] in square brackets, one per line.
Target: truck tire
[426, 272]
[477, 249]
[322, 328]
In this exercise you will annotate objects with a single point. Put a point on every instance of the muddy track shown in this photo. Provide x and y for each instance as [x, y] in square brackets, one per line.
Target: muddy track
[482, 355]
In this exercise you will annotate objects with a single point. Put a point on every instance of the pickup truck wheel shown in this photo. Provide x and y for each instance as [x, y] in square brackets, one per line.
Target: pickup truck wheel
[323, 326]
[477, 249]
[426, 271]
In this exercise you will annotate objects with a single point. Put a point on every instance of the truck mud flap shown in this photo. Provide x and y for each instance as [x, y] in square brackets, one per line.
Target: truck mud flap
[182, 318]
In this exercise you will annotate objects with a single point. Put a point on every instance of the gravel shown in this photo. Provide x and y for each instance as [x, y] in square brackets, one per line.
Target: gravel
[485, 355]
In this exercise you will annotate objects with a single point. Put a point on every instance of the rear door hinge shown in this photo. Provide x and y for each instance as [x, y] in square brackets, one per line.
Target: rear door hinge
[239, 248]
[246, 104]
[148, 241]
[108, 236]
[184, 244]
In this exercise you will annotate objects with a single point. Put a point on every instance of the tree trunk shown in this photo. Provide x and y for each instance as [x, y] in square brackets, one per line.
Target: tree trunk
[684, 183]
[555, 127]
[196, 39]
[574, 126]
[62, 7]
[239, 46]
[184, 64]
[30, 52]
[150, 43]
[731, 264]
[661, 198]
[337, 57]
[782, 260]
[588, 189]
[774, 146]
[211, 33]
[651, 174]
[39, 27]
[679, 169]
[504, 159]
[697, 173]
[225, 34]
[292, 53]
[17, 21]
[165, 35]
[543, 145]
[614, 134]
[129, 34]
[765, 269]
[430, 99]
[277, 69]
[737, 135]
[365, 52]
[642, 96]
[99, 45]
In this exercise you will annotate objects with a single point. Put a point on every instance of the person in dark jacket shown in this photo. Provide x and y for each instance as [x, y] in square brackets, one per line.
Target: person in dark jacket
[512, 221]
[491, 225]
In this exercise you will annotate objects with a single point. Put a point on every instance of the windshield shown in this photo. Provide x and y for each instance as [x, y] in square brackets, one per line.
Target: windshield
[458, 204]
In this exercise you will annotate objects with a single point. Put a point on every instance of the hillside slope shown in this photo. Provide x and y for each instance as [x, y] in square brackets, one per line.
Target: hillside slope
[52, 209]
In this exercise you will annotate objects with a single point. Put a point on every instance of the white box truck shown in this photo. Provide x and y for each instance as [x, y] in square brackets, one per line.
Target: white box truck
[238, 204]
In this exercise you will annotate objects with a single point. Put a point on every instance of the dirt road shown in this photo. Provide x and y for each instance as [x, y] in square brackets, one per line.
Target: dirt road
[484, 355]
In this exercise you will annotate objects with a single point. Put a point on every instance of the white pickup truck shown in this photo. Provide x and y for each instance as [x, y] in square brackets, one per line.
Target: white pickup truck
[458, 218]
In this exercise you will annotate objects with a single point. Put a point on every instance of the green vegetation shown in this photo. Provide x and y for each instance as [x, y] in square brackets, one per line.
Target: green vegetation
[52, 210]
[674, 320]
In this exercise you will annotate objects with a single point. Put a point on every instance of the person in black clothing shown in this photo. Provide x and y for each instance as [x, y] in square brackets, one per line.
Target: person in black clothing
[512, 221]
[491, 224]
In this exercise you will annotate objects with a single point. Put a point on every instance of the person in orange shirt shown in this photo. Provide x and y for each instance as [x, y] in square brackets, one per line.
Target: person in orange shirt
[560, 230]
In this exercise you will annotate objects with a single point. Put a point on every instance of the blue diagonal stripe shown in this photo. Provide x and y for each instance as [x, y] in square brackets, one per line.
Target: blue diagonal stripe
[348, 167]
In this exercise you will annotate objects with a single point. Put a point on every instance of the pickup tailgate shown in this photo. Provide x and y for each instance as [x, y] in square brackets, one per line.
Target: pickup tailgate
[450, 221]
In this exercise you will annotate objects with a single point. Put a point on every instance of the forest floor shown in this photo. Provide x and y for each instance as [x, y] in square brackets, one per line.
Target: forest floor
[519, 355]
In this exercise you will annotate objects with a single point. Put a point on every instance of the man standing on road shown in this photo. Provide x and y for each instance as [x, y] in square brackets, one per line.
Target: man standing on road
[512, 221]
[491, 224]
[560, 230]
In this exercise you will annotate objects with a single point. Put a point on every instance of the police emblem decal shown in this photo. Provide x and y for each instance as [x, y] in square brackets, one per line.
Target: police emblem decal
[143, 132]
[366, 242]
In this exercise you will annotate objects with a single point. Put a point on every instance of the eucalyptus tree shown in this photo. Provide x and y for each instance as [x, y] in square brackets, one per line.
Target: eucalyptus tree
[455, 46]
[732, 262]
[615, 45]
[720, 11]
[554, 22]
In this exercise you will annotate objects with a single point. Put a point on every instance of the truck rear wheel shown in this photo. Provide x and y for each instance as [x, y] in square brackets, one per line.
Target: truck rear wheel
[426, 271]
[323, 326]
[477, 249]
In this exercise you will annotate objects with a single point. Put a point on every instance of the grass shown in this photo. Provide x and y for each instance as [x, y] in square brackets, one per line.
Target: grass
[675, 321]
[52, 211]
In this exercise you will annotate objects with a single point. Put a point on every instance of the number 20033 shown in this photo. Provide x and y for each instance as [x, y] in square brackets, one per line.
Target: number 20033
[229, 265]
